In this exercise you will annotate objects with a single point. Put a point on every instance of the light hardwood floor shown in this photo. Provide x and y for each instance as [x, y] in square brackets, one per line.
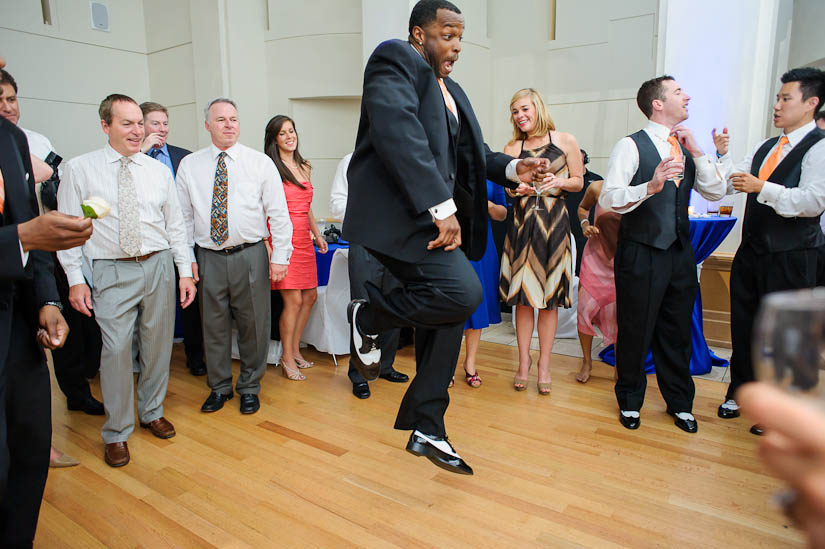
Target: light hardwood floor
[318, 467]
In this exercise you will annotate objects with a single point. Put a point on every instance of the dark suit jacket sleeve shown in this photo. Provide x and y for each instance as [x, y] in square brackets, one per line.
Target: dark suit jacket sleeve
[397, 135]
[11, 268]
[497, 167]
[176, 154]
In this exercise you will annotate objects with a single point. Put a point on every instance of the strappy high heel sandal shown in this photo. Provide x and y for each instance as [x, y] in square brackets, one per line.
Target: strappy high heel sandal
[544, 388]
[473, 381]
[290, 374]
[302, 364]
[520, 383]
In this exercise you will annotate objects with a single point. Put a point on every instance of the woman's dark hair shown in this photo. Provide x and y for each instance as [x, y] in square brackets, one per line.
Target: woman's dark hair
[811, 83]
[273, 128]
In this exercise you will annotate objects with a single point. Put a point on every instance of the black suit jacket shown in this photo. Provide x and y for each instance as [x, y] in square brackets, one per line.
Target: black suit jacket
[176, 154]
[405, 161]
[22, 289]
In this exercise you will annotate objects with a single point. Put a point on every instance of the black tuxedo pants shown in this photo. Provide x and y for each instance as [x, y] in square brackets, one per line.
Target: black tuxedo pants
[365, 268]
[27, 413]
[437, 295]
[79, 358]
[192, 329]
[752, 276]
[655, 292]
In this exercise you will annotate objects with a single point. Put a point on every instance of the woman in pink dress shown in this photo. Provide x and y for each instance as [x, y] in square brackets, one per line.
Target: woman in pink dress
[597, 284]
[298, 287]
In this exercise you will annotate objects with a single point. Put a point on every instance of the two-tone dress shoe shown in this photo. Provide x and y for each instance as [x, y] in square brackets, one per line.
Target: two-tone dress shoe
[757, 430]
[439, 451]
[629, 421]
[728, 410]
[215, 402]
[250, 404]
[395, 377]
[116, 454]
[365, 354]
[90, 406]
[161, 427]
[686, 424]
[361, 390]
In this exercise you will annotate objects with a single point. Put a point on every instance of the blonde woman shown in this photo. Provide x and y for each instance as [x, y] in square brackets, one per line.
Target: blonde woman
[536, 266]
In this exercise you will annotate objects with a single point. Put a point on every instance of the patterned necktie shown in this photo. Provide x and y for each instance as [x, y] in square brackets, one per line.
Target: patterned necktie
[770, 164]
[219, 223]
[128, 212]
[675, 149]
[2, 193]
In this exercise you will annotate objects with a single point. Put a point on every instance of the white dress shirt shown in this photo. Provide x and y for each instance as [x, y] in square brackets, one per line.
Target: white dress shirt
[39, 144]
[340, 189]
[161, 223]
[806, 200]
[255, 194]
[619, 196]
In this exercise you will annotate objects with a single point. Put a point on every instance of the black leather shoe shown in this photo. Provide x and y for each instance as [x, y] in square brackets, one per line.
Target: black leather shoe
[686, 425]
[727, 413]
[630, 422]
[215, 402]
[361, 390]
[90, 406]
[439, 451]
[757, 430]
[395, 376]
[250, 404]
[196, 368]
[365, 354]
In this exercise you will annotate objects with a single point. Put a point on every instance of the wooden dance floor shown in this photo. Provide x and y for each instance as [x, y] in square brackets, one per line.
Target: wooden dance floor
[317, 467]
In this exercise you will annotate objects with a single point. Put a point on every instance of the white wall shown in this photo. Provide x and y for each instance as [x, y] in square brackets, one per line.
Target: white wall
[808, 40]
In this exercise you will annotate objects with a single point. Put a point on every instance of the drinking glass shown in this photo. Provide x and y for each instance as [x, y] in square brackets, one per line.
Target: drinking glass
[537, 206]
[681, 175]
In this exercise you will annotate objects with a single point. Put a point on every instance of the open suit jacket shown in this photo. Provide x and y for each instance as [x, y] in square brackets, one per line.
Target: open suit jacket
[176, 154]
[406, 160]
[24, 287]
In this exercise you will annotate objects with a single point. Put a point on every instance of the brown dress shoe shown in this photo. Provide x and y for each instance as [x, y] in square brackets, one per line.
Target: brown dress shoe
[117, 454]
[161, 427]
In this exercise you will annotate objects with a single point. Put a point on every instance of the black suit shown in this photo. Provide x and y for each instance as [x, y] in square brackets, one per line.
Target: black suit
[25, 406]
[190, 316]
[412, 154]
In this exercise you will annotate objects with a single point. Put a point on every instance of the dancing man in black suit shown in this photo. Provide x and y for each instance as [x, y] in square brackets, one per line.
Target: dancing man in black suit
[418, 204]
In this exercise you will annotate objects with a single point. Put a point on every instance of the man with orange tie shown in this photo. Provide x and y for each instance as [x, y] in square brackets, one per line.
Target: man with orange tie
[785, 181]
[649, 178]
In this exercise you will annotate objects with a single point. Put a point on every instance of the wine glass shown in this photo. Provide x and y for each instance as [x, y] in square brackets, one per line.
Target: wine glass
[537, 205]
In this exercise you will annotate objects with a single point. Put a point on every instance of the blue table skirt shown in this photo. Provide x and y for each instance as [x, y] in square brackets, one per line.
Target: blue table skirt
[706, 233]
[323, 261]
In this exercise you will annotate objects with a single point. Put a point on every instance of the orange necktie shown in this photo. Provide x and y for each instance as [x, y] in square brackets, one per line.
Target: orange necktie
[770, 164]
[2, 193]
[675, 149]
[447, 97]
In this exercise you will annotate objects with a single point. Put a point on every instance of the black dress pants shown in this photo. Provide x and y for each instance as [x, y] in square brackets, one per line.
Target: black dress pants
[79, 358]
[752, 276]
[437, 295]
[27, 408]
[655, 292]
[365, 268]
[192, 330]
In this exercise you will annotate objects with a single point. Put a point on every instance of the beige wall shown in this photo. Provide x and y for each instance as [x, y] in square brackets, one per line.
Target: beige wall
[808, 40]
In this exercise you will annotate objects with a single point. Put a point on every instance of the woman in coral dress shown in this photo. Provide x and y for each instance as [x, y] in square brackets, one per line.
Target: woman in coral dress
[298, 287]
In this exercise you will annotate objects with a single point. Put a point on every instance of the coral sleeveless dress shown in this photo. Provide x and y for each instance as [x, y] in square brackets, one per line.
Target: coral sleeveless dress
[303, 272]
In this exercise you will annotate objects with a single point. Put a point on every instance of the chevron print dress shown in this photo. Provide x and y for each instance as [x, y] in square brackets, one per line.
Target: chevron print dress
[536, 265]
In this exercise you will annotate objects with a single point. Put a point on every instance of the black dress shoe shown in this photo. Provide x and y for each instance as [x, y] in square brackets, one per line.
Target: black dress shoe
[727, 413]
[630, 422]
[361, 390]
[215, 402]
[439, 451]
[365, 354]
[196, 368]
[757, 430]
[250, 404]
[395, 376]
[686, 425]
[90, 406]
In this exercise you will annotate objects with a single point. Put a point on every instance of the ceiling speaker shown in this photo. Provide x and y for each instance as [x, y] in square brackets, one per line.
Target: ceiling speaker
[100, 16]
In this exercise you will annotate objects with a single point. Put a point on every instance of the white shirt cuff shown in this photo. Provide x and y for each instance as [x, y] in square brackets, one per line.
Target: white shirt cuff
[24, 256]
[510, 171]
[443, 210]
[185, 271]
[279, 257]
[75, 277]
[769, 193]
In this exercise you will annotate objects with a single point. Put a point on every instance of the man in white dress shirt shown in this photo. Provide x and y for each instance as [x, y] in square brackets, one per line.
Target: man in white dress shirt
[228, 192]
[781, 237]
[655, 265]
[131, 252]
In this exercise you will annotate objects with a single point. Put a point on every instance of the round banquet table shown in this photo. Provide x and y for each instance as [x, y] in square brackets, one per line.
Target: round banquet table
[323, 261]
[706, 233]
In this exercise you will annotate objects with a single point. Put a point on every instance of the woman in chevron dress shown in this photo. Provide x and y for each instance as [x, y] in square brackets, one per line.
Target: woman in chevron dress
[536, 265]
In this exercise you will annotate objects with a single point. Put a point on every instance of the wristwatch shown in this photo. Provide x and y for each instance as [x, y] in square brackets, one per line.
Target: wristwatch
[53, 304]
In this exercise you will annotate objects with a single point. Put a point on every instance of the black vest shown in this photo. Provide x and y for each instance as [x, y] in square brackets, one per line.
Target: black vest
[662, 219]
[765, 230]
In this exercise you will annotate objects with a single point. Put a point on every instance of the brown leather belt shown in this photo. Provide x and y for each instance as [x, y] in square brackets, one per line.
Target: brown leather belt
[139, 258]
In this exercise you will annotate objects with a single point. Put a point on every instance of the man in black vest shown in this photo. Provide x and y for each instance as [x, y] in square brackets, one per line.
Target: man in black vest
[785, 181]
[417, 192]
[655, 266]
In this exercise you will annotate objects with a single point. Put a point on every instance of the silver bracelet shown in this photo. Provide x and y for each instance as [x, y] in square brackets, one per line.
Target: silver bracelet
[583, 221]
